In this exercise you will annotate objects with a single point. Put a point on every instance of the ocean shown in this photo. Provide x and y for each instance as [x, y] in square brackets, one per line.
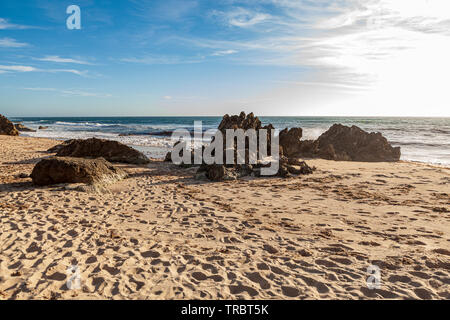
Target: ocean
[421, 139]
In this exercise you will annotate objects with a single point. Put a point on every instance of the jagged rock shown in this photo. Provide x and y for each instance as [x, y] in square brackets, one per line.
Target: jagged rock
[290, 140]
[59, 170]
[244, 122]
[239, 122]
[7, 127]
[21, 128]
[43, 128]
[350, 144]
[112, 151]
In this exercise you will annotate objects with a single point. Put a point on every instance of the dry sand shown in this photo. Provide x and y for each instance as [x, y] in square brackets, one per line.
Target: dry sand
[162, 235]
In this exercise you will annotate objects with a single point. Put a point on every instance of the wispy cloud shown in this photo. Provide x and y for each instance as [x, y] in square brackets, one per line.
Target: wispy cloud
[20, 68]
[5, 24]
[17, 68]
[224, 53]
[241, 17]
[360, 39]
[70, 92]
[11, 43]
[161, 60]
[58, 59]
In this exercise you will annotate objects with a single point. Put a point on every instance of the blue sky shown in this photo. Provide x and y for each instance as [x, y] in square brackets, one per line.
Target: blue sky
[198, 57]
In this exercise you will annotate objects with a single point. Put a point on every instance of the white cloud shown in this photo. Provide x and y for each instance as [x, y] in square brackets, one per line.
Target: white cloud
[11, 43]
[58, 59]
[384, 52]
[224, 52]
[4, 24]
[19, 68]
[241, 17]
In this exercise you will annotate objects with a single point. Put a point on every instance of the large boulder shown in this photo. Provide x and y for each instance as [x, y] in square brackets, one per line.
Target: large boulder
[7, 127]
[21, 128]
[58, 170]
[112, 151]
[344, 143]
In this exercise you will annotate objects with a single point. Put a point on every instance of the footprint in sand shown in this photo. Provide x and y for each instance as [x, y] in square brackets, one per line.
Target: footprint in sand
[290, 292]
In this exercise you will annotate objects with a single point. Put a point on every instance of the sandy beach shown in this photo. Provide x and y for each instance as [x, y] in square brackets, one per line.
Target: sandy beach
[160, 234]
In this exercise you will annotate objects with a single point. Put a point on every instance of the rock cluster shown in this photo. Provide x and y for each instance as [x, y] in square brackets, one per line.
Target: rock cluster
[7, 127]
[217, 172]
[340, 143]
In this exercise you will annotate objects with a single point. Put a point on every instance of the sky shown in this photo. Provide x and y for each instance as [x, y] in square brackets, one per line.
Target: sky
[199, 57]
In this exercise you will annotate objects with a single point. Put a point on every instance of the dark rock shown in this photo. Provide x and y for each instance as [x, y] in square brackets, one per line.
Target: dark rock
[7, 127]
[59, 170]
[43, 128]
[244, 122]
[20, 127]
[350, 144]
[112, 151]
[290, 140]
[239, 122]
[58, 147]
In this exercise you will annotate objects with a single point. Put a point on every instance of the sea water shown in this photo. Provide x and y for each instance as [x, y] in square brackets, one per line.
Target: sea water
[421, 139]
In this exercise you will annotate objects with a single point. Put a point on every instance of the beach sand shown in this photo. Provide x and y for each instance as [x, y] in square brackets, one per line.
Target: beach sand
[163, 235]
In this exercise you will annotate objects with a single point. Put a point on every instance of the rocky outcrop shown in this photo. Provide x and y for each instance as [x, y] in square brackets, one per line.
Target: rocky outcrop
[43, 128]
[21, 128]
[234, 171]
[344, 143]
[112, 151]
[7, 127]
[244, 122]
[290, 140]
[58, 170]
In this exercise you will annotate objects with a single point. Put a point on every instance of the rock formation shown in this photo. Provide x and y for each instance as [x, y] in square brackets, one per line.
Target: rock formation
[7, 127]
[58, 170]
[217, 172]
[112, 151]
[344, 143]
